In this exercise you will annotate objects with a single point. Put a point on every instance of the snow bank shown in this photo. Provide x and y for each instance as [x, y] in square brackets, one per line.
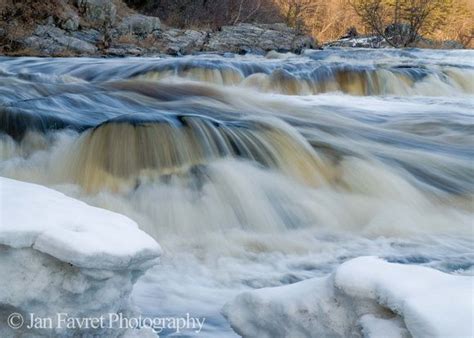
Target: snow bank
[364, 296]
[60, 255]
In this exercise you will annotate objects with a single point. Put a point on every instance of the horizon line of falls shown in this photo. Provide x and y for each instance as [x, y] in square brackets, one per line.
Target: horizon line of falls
[255, 171]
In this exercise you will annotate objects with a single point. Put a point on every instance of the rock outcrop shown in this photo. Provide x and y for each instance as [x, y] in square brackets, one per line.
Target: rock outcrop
[139, 25]
[51, 40]
[108, 27]
[245, 38]
[140, 35]
[182, 41]
[98, 12]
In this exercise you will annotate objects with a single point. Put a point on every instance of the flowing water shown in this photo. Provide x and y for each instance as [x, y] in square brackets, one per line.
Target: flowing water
[255, 171]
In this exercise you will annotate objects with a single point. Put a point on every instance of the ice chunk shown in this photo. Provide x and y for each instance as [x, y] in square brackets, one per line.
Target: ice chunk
[70, 230]
[364, 296]
[62, 256]
[431, 303]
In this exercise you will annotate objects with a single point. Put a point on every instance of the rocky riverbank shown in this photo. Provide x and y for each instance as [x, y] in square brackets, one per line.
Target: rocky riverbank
[108, 28]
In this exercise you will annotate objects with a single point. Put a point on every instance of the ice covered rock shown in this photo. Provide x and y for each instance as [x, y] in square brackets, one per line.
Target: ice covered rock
[363, 297]
[359, 42]
[60, 255]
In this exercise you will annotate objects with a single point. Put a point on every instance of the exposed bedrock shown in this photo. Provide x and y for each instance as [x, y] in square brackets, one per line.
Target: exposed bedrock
[102, 27]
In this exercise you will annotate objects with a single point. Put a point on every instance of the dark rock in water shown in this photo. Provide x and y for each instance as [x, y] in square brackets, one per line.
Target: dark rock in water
[16, 122]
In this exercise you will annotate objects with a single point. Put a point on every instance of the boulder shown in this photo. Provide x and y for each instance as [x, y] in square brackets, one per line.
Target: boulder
[71, 23]
[139, 25]
[178, 41]
[244, 37]
[98, 12]
[51, 40]
[69, 20]
[92, 36]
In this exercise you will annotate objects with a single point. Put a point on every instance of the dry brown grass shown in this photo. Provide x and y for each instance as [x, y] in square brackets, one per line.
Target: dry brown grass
[18, 19]
[460, 25]
[122, 9]
[329, 20]
[326, 20]
[127, 39]
[148, 42]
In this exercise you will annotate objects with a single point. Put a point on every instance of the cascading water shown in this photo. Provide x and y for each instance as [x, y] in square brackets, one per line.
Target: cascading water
[255, 171]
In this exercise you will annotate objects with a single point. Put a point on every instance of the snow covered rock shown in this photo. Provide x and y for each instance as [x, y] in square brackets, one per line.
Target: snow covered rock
[366, 297]
[60, 255]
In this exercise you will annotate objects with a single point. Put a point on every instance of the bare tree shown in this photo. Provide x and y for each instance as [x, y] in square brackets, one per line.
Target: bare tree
[325, 19]
[255, 6]
[296, 12]
[401, 22]
[214, 14]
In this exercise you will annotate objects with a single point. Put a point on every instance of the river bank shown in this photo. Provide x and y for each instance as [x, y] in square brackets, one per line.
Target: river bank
[98, 28]
[110, 28]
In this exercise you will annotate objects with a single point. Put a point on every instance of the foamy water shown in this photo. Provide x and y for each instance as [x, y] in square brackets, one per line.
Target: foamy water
[253, 171]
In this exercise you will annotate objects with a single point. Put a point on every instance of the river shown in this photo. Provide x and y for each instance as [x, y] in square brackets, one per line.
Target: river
[255, 171]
